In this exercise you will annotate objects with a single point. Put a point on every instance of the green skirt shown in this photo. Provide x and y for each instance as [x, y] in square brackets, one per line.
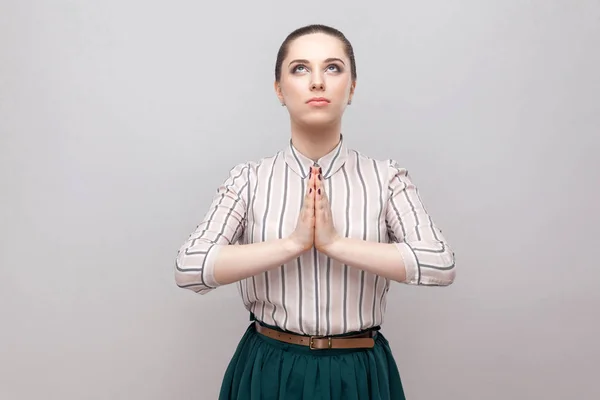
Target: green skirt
[267, 369]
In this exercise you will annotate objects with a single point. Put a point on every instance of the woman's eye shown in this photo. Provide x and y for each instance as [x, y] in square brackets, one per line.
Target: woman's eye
[299, 68]
[330, 68]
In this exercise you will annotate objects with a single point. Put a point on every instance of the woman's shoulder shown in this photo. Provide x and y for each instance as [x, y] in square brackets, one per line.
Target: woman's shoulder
[251, 166]
[390, 165]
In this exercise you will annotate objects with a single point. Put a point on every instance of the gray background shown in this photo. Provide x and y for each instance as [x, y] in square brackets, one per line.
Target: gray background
[118, 119]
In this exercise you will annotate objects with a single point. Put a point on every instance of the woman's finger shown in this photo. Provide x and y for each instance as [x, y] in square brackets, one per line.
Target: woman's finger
[320, 195]
[319, 176]
[309, 202]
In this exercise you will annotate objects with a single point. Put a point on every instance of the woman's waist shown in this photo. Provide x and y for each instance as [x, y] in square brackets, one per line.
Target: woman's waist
[310, 327]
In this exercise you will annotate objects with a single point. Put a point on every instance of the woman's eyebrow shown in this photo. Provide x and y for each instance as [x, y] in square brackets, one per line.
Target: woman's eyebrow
[303, 61]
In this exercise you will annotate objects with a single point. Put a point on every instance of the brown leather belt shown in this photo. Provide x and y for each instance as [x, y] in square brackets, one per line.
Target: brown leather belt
[359, 341]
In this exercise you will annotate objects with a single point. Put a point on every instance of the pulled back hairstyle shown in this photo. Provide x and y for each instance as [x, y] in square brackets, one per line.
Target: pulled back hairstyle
[310, 29]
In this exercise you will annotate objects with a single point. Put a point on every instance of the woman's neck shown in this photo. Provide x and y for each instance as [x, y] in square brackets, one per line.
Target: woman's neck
[313, 142]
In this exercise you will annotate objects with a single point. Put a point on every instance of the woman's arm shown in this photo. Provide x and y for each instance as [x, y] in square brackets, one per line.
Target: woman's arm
[208, 259]
[234, 263]
[418, 254]
[428, 258]
[382, 259]
[221, 226]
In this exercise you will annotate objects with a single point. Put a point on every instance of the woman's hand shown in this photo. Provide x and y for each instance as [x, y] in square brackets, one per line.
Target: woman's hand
[325, 233]
[303, 237]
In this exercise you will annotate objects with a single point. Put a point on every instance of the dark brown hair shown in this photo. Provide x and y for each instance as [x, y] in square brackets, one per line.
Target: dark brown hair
[309, 29]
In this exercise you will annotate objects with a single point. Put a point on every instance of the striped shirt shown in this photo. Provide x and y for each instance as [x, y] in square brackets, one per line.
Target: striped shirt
[373, 200]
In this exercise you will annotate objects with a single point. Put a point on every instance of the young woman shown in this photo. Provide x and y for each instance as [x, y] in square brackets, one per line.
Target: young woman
[321, 230]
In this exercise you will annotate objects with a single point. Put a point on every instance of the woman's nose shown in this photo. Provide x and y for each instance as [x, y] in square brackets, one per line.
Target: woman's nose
[317, 86]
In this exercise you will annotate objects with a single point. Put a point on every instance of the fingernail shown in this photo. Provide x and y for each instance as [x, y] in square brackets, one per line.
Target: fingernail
[319, 191]
[320, 170]
[310, 190]
[319, 176]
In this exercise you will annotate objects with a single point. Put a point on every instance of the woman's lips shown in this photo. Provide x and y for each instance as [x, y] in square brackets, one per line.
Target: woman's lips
[318, 101]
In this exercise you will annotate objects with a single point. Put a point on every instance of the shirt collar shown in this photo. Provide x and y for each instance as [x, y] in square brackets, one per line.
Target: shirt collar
[329, 163]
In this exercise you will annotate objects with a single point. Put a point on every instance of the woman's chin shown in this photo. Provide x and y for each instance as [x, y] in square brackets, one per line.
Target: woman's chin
[318, 120]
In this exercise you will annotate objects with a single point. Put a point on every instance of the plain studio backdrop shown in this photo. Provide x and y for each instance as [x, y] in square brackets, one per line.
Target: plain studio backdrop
[119, 119]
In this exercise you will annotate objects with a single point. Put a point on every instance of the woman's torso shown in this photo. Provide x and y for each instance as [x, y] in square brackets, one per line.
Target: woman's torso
[315, 294]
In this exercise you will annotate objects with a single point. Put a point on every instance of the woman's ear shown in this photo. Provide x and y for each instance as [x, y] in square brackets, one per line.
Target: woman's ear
[352, 89]
[277, 87]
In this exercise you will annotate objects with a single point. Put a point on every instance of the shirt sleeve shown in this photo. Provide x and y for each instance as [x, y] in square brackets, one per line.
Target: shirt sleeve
[428, 258]
[222, 225]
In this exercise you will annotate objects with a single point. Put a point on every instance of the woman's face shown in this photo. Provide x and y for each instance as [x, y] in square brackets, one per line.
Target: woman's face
[316, 81]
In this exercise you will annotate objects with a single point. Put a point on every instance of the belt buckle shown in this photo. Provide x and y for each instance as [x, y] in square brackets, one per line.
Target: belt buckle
[311, 342]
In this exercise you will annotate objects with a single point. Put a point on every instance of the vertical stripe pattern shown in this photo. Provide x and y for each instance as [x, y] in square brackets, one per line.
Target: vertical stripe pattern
[372, 200]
